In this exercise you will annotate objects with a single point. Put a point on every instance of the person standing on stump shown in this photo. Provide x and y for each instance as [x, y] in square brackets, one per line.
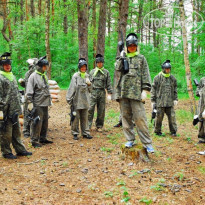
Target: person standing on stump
[78, 97]
[39, 98]
[132, 81]
[200, 92]
[23, 83]
[100, 79]
[164, 96]
[10, 109]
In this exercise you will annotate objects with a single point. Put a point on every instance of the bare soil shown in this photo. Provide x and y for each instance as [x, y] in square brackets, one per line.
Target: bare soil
[94, 171]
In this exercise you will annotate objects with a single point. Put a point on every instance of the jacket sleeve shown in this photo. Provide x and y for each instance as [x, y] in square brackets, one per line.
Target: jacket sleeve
[2, 103]
[153, 90]
[108, 83]
[146, 79]
[199, 88]
[71, 90]
[175, 90]
[30, 89]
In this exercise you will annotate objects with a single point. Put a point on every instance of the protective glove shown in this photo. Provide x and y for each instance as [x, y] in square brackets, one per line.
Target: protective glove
[21, 80]
[175, 102]
[109, 97]
[30, 106]
[122, 54]
[87, 81]
[1, 115]
[203, 114]
[143, 95]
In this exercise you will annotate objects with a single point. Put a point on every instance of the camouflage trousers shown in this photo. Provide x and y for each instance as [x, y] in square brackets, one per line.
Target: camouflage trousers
[11, 135]
[134, 110]
[201, 134]
[39, 130]
[82, 116]
[171, 119]
[26, 122]
[97, 99]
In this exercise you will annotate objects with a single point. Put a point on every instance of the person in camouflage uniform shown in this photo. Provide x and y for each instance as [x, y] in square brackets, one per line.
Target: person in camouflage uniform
[130, 91]
[200, 92]
[23, 83]
[164, 96]
[100, 79]
[78, 97]
[10, 109]
[39, 98]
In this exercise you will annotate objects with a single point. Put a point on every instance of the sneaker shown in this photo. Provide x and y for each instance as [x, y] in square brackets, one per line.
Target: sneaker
[119, 124]
[200, 142]
[87, 136]
[25, 153]
[173, 134]
[75, 137]
[99, 129]
[36, 144]
[9, 156]
[45, 141]
[129, 144]
[149, 148]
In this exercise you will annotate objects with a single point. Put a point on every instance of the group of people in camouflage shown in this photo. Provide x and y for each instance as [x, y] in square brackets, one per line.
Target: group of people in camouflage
[37, 100]
[132, 81]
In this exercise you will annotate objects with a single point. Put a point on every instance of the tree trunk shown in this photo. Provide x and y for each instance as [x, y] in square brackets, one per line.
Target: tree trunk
[39, 7]
[123, 14]
[83, 29]
[65, 19]
[186, 58]
[139, 21]
[102, 28]
[27, 10]
[109, 21]
[94, 30]
[32, 8]
[47, 43]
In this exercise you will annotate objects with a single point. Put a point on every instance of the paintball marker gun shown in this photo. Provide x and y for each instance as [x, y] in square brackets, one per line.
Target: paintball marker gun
[154, 112]
[31, 117]
[123, 54]
[196, 82]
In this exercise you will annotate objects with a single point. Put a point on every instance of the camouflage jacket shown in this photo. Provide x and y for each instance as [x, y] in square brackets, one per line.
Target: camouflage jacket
[78, 93]
[164, 91]
[9, 96]
[37, 91]
[201, 93]
[101, 81]
[131, 84]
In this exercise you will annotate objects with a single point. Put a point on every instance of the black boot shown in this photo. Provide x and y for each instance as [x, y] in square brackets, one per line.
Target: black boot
[75, 137]
[173, 134]
[158, 133]
[45, 141]
[25, 153]
[119, 124]
[36, 144]
[9, 156]
[87, 136]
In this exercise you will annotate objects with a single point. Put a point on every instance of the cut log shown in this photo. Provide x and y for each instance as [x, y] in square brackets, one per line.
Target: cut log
[135, 153]
[52, 82]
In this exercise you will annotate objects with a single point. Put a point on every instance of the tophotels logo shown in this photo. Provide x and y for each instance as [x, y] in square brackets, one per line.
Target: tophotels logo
[166, 21]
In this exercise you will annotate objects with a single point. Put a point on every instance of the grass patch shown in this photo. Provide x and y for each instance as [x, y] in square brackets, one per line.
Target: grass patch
[145, 200]
[106, 149]
[184, 116]
[201, 169]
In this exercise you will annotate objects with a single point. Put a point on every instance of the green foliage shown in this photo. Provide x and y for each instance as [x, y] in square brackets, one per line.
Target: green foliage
[145, 200]
[184, 116]
[108, 194]
[202, 169]
[106, 149]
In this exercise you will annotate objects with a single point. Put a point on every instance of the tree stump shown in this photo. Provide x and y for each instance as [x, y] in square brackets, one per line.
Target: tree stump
[135, 153]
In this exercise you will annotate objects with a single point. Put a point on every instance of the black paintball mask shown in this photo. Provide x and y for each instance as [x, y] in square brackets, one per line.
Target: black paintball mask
[82, 62]
[5, 59]
[99, 58]
[131, 39]
[165, 65]
[41, 62]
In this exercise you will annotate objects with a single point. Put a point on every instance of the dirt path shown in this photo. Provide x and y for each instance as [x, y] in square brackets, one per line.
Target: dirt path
[93, 171]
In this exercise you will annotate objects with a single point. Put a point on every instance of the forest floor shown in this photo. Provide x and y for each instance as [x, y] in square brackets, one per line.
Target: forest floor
[94, 172]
